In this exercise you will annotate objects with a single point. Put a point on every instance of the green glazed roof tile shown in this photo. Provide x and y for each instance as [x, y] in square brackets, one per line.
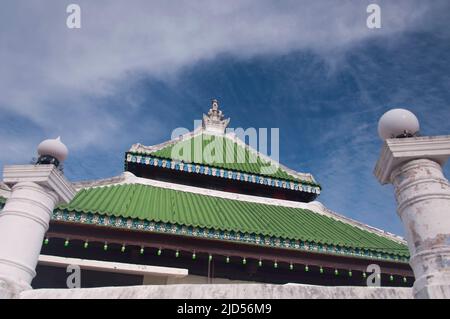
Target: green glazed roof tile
[183, 208]
[223, 153]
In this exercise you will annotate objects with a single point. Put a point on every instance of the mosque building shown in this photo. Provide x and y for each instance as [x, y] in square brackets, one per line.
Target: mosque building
[174, 216]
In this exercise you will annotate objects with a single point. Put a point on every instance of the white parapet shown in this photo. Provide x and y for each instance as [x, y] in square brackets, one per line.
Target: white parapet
[414, 166]
[222, 292]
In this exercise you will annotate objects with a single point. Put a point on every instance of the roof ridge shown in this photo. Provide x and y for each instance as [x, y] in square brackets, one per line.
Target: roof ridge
[138, 147]
[99, 182]
[288, 170]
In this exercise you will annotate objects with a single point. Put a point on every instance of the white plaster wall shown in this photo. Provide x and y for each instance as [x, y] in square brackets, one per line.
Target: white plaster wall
[223, 291]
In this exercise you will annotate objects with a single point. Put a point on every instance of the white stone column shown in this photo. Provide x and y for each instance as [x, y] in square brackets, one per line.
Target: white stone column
[414, 166]
[24, 220]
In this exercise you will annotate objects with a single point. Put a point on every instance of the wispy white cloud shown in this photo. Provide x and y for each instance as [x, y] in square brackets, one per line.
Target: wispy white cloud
[49, 73]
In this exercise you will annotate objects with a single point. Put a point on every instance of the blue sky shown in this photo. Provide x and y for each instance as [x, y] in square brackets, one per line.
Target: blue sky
[137, 70]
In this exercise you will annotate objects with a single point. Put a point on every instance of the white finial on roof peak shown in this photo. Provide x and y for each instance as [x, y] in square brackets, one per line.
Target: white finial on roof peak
[215, 121]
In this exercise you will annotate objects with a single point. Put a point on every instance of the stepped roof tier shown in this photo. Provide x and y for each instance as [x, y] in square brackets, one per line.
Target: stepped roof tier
[195, 212]
[228, 144]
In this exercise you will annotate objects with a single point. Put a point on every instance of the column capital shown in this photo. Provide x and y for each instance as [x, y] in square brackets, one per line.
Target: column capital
[397, 151]
[47, 176]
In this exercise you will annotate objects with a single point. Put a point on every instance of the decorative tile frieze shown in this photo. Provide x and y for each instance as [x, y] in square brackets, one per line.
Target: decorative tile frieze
[223, 173]
[128, 223]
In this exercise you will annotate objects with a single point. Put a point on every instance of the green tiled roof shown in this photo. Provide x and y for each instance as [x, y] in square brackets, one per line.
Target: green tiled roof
[156, 204]
[225, 153]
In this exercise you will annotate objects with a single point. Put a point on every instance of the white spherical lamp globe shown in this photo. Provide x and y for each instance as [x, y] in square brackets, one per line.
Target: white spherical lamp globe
[396, 123]
[54, 148]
